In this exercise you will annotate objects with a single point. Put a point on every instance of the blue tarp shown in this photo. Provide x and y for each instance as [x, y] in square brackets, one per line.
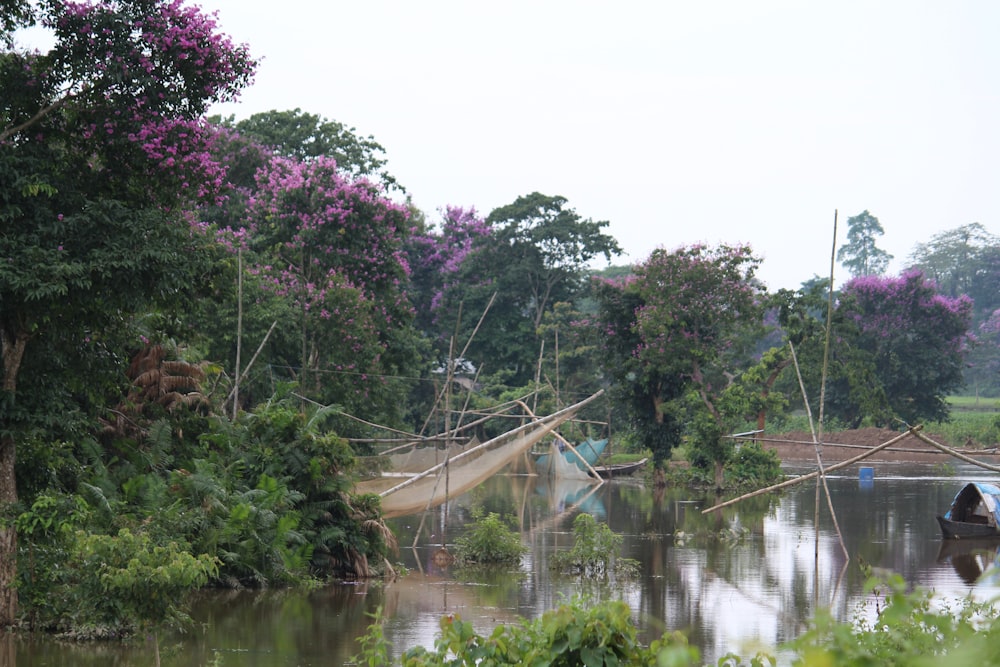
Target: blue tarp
[976, 498]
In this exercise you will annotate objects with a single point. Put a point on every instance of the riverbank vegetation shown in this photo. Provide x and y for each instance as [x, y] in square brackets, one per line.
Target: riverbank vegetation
[908, 629]
[203, 319]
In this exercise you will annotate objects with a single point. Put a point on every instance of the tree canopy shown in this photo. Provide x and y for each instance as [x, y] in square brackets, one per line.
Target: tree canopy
[685, 324]
[536, 255]
[898, 352]
[860, 254]
[305, 136]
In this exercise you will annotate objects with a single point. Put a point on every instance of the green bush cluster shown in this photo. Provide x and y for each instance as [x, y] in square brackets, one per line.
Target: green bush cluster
[573, 634]
[911, 629]
[752, 467]
[117, 540]
[967, 427]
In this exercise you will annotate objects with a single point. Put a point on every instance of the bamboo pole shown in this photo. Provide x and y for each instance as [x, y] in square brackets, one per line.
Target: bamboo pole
[253, 359]
[818, 437]
[993, 451]
[802, 478]
[957, 454]
[819, 458]
[239, 330]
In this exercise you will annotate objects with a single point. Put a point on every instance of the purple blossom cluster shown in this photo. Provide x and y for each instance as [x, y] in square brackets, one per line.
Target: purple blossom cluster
[135, 77]
[338, 246]
[180, 150]
[885, 308]
[152, 55]
[439, 253]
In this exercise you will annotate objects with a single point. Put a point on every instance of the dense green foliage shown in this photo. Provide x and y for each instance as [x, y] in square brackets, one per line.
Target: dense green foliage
[570, 635]
[264, 501]
[910, 629]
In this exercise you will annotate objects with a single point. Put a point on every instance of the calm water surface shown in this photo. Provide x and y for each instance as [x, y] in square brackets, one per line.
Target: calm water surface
[733, 580]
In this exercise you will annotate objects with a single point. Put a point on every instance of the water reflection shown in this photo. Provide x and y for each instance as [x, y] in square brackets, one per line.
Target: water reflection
[973, 560]
[750, 574]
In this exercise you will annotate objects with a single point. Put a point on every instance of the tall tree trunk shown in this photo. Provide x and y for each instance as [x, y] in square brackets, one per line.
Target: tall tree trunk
[12, 344]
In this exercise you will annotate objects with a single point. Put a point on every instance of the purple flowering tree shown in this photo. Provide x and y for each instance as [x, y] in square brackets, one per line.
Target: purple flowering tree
[898, 341]
[102, 148]
[675, 336]
[436, 256]
[334, 247]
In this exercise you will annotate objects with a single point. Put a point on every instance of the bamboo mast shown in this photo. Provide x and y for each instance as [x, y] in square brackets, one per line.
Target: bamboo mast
[819, 457]
[822, 403]
[239, 329]
[254, 357]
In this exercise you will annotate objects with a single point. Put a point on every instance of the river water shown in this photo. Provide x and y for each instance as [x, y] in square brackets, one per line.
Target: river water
[745, 577]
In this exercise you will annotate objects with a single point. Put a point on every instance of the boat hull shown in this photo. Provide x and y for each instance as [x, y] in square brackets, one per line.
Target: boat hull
[619, 469]
[956, 530]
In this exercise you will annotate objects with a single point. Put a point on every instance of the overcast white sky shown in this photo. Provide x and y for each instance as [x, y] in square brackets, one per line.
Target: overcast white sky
[678, 122]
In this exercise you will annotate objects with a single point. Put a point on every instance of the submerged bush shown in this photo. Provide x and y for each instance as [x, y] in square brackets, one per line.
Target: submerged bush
[489, 541]
[594, 552]
[127, 581]
[752, 467]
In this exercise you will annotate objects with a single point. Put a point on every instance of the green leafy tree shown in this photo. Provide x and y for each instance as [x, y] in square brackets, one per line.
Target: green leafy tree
[537, 255]
[128, 580]
[957, 258]
[305, 136]
[701, 314]
[648, 399]
[966, 260]
[101, 149]
[571, 362]
[860, 255]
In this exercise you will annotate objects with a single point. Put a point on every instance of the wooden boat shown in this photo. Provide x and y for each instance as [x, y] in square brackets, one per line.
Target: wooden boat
[974, 513]
[404, 493]
[619, 469]
[589, 449]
